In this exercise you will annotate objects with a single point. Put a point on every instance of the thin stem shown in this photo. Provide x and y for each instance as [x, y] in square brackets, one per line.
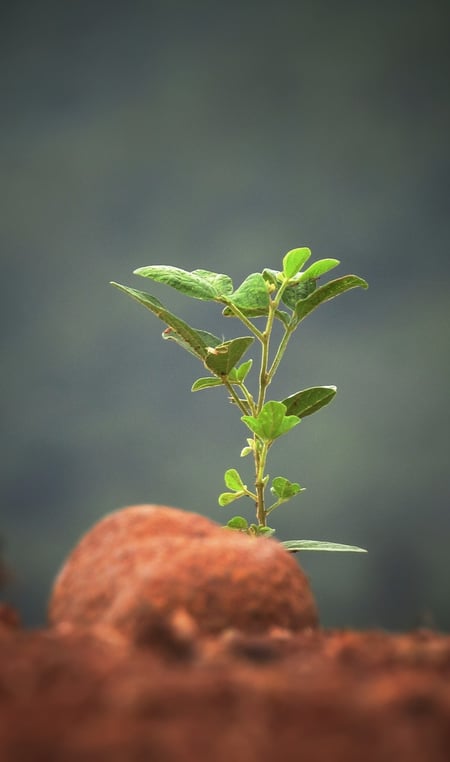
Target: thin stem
[248, 397]
[279, 353]
[235, 397]
[244, 319]
[260, 463]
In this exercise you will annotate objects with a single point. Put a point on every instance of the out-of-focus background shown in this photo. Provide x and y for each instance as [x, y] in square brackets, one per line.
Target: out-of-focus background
[220, 135]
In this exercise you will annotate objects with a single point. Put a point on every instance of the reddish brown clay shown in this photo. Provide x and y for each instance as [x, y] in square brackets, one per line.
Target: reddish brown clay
[147, 560]
[70, 694]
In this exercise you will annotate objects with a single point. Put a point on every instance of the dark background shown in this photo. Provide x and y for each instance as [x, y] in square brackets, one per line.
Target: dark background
[220, 135]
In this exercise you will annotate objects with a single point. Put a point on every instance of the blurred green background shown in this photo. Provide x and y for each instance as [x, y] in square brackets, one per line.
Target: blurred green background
[220, 135]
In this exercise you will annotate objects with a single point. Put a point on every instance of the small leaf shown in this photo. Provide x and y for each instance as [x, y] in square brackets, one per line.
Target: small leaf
[265, 531]
[294, 260]
[188, 283]
[271, 422]
[179, 331]
[295, 545]
[229, 497]
[246, 451]
[222, 358]
[284, 489]
[319, 268]
[326, 292]
[252, 297]
[233, 480]
[274, 277]
[243, 370]
[309, 400]
[238, 522]
[205, 383]
[293, 294]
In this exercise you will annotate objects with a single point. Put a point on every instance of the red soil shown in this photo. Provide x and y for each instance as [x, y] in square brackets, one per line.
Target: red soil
[165, 687]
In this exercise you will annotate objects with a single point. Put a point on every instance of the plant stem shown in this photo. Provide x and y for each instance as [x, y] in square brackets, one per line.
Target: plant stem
[280, 352]
[235, 397]
[244, 319]
[260, 464]
[265, 377]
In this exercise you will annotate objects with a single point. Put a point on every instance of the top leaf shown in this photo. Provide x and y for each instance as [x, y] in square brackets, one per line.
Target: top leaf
[326, 292]
[200, 284]
[294, 260]
[319, 268]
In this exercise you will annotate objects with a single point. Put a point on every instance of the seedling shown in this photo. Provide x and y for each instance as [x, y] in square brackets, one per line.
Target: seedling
[287, 296]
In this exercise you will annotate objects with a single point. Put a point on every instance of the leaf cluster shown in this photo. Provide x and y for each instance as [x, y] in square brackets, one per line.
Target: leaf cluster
[288, 295]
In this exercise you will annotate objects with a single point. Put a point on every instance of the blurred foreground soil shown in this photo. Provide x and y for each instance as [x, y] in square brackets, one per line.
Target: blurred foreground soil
[171, 695]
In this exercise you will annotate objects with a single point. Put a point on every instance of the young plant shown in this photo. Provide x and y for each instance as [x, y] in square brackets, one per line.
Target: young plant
[286, 296]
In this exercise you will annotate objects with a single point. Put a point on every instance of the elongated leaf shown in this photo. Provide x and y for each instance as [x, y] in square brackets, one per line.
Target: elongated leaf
[188, 283]
[285, 489]
[209, 340]
[205, 383]
[293, 294]
[319, 268]
[222, 358]
[296, 545]
[222, 284]
[229, 497]
[294, 260]
[310, 400]
[190, 338]
[271, 422]
[252, 297]
[233, 480]
[326, 292]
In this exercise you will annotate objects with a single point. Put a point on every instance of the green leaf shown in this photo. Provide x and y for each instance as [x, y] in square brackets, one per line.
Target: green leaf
[293, 294]
[326, 292]
[209, 341]
[271, 422]
[222, 284]
[229, 497]
[295, 545]
[243, 370]
[310, 400]
[265, 531]
[294, 260]
[251, 298]
[233, 480]
[319, 268]
[273, 277]
[188, 283]
[205, 383]
[238, 522]
[284, 489]
[222, 358]
[246, 451]
[192, 340]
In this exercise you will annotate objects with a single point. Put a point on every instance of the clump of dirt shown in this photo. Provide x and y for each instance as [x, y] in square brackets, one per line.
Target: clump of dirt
[169, 559]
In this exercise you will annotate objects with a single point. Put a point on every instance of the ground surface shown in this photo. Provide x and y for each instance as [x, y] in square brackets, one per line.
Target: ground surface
[170, 696]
